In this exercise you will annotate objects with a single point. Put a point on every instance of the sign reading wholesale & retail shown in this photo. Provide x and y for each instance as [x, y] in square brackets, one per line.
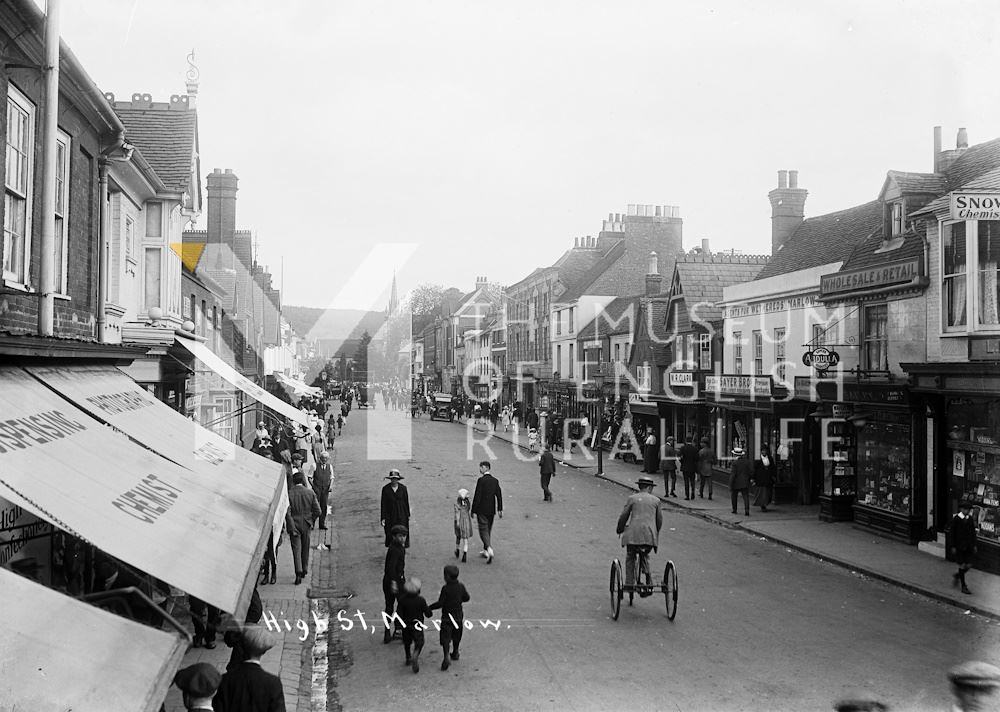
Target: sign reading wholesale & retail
[898, 272]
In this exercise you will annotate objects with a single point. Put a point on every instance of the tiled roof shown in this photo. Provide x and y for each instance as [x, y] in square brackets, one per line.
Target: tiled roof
[865, 255]
[974, 162]
[919, 182]
[703, 277]
[585, 280]
[615, 318]
[987, 181]
[656, 313]
[165, 137]
[825, 239]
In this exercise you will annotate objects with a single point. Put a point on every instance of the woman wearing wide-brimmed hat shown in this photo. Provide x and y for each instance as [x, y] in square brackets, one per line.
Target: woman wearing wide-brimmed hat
[395, 506]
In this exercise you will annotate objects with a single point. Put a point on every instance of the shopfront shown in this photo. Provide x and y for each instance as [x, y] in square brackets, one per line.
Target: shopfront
[684, 412]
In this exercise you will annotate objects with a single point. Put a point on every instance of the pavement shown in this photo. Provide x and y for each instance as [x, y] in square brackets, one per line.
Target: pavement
[798, 527]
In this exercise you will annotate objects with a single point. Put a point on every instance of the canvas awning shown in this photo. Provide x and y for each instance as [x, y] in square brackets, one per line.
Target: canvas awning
[298, 386]
[230, 374]
[643, 408]
[251, 484]
[192, 530]
[59, 653]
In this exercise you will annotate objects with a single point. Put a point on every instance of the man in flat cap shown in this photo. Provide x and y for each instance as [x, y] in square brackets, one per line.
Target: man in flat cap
[395, 507]
[248, 687]
[639, 526]
[198, 684]
[976, 687]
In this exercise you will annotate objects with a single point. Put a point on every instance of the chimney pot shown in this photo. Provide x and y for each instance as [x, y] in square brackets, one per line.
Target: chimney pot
[576, 242]
[782, 179]
[963, 139]
[653, 267]
[937, 141]
[793, 179]
[704, 246]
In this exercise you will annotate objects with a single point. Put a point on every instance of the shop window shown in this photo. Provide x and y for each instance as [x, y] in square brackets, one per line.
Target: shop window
[705, 352]
[738, 352]
[953, 266]
[779, 353]
[876, 345]
[17, 186]
[885, 475]
[974, 460]
[758, 353]
[988, 258]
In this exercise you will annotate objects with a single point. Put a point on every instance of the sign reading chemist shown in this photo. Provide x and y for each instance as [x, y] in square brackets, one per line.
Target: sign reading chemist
[975, 206]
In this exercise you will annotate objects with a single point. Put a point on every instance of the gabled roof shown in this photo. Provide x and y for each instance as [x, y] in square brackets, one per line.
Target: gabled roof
[865, 252]
[974, 162]
[166, 137]
[652, 342]
[825, 239]
[987, 181]
[933, 183]
[593, 274]
[703, 277]
[615, 318]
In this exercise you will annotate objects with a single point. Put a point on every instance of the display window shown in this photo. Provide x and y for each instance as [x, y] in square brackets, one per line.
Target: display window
[884, 463]
[973, 439]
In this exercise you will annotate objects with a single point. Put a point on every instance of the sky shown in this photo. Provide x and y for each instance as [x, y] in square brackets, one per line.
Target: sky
[447, 139]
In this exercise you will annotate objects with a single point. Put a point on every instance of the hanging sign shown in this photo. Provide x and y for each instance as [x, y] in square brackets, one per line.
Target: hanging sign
[821, 358]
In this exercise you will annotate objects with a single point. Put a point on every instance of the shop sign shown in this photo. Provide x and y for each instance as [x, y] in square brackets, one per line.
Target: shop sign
[638, 397]
[975, 206]
[821, 358]
[775, 305]
[875, 393]
[754, 386]
[681, 378]
[842, 411]
[899, 272]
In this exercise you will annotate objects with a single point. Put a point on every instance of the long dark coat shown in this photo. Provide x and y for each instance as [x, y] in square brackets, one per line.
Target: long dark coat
[395, 510]
[741, 475]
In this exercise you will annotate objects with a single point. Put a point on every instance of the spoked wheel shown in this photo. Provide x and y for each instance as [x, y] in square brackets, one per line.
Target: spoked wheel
[670, 589]
[615, 589]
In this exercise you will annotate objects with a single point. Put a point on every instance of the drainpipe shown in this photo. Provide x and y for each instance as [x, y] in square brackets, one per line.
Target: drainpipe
[46, 286]
[103, 260]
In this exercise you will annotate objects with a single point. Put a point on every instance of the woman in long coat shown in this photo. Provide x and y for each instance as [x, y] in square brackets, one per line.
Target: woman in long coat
[765, 472]
[650, 453]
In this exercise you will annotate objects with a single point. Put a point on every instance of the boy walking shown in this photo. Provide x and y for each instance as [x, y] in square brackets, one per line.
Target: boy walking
[413, 609]
[453, 595]
[394, 576]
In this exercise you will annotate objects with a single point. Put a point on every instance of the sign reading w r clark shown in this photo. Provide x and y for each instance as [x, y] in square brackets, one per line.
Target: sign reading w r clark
[887, 275]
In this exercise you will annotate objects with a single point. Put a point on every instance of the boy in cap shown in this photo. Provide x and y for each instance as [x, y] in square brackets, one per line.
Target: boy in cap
[963, 542]
[248, 687]
[976, 686]
[639, 525]
[198, 684]
[394, 576]
[453, 595]
[412, 608]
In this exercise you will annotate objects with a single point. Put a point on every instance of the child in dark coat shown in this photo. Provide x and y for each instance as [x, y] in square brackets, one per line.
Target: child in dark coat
[453, 595]
[412, 608]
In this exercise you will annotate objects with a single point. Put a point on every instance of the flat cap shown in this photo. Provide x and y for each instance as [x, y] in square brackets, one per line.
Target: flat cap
[398, 529]
[198, 680]
[975, 673]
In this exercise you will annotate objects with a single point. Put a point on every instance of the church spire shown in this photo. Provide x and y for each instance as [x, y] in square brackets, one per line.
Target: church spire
[393, 299]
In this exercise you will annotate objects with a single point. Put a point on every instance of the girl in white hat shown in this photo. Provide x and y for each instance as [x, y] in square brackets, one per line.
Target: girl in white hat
[463, 523]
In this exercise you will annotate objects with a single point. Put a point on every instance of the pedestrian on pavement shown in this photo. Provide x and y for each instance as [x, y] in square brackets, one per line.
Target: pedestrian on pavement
[765, 472]
[198, 684]
[453, 595]
[463, 523]
[505, 418]
[547, 469]
[689, 465]
[340, 423]
[650, 453]
[532, 418]
[395, 508]
[412, 608]
[269, 565]
[975, 686]
[739, 480]
[669, 468]
[322, 482]
[706, 460]
[639, 526]
[487, 502]
[303, 510]
[963, 542]
[248, 687]
[232, 634]
[393, 576]
[204, 618]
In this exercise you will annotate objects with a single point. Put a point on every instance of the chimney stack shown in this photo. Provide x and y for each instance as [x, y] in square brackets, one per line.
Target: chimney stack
[937, 148]
[222, 189]
[654, 280]
[481, 282]
[788, 204]
[944, 158]
[704, 246]
[962, 141]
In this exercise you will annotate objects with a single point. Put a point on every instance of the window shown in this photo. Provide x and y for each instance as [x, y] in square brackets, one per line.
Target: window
[689, 355]
[876, 322]
[758, 353]
[819, 335]
[779, 352]
[190, 310]
[154, 219]
[896, 219]
[559, 322]
[953, 265]
[628, 354]
[988, 259]
[705, 352]
[129, 238]
[61, 246]
[618, 352]
[569, 349]
[571, 309]
[738, 352]
[152, 273]
[558, 363]
[644, 376]
[17, 187]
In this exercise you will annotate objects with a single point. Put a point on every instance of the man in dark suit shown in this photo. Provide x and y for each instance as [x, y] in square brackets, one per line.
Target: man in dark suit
[247, 687]
[395, 507]
[322, 480]
[487, 502]
[546, 468]
[689, 465]
[303, 510]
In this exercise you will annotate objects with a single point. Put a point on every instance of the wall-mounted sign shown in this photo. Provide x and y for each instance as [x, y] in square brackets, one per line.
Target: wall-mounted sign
[769, 307]
[975, 206]
[842, 411]
[681, 378]
[755, 386]
[821, 358]
[899, 272]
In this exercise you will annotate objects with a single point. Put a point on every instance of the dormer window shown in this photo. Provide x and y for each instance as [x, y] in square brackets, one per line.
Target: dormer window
[896, 219]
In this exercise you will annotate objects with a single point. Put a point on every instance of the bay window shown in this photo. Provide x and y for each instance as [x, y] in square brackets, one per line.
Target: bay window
[968, 248]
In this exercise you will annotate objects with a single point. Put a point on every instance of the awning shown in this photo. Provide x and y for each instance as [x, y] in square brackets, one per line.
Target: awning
[297, 385]
[177, 524]
[641, 408]
[61, 654]
[251, 485]
[230, 374]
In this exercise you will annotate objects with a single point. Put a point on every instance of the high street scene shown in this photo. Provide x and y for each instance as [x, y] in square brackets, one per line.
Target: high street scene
[342, 368]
